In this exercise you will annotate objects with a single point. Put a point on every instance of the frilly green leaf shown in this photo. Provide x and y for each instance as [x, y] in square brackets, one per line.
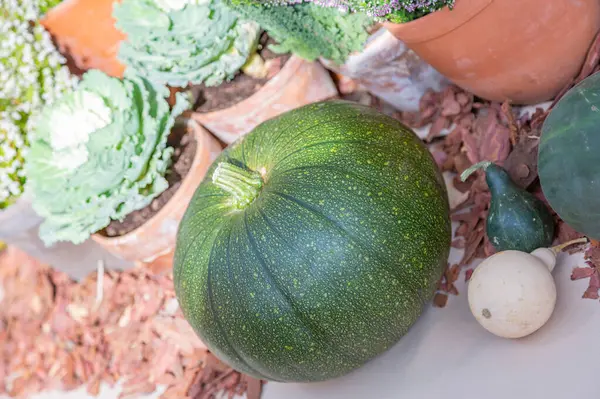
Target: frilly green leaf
[396, 11]
[307, 30]
[99, 154]
[201, 42]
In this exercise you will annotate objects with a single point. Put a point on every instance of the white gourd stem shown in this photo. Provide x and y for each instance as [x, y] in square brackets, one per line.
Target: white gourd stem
[471, 169]
[556, 249]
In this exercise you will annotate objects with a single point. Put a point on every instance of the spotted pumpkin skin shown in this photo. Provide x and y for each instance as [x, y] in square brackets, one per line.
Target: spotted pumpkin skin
[332, 262]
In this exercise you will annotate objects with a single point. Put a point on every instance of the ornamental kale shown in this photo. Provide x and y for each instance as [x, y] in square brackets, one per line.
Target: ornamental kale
[308, 30]
[177, 42]
[397, 11]
[99, 153]
[32, 74]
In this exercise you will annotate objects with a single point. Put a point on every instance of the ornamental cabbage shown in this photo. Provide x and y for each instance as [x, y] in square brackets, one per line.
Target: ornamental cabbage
[100, 153]
[309, 31]
[32, 74]
[178, 42]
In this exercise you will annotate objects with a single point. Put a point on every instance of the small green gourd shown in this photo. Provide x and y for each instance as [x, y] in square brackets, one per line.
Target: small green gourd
[517, 220]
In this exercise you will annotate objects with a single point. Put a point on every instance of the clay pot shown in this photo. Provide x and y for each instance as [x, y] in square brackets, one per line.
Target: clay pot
[85, 32]
[524, 51]
[153, 243]
[298, 83]
[19, 226]
[391, 71]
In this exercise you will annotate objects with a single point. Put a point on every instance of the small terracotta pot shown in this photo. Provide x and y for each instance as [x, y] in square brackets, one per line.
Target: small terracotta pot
[524, 51]
[85, 31]
[19, 225]
[298, 83]
[153, 243]
[391, 71]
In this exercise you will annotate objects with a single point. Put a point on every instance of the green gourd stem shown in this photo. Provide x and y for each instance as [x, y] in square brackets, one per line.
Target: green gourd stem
[556, 249]
[243, 184]
[469, 171]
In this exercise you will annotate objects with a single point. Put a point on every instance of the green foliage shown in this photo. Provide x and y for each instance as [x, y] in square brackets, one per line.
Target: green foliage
[397, 11]
[99, 153]
[178, 42]
[46, 5]
[308, 30]
[31, 74]
[12, 144]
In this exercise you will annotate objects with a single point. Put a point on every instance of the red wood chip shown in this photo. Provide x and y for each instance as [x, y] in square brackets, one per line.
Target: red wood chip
[468, 274]
[55, 336]
[254, 387]
[582, 272]
[440, 300]
[522, 171]
[592, 291]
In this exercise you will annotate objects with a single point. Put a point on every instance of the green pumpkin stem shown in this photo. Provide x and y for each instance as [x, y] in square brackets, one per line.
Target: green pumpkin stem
[469, 171]
[243, 184]
[556, 249]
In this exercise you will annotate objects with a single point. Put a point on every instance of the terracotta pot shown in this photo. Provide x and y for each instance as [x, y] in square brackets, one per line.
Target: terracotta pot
[19, 226]
[524, 51]
[153, 243]
[85, 31]
[298, 83]
[391, 71]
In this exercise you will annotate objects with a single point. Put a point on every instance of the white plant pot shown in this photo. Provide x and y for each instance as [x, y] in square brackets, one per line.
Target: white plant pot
[389, 70]
[19, 226]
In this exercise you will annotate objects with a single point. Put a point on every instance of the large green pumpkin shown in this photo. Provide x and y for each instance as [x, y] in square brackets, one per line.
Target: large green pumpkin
[569, 157]
[314, 243]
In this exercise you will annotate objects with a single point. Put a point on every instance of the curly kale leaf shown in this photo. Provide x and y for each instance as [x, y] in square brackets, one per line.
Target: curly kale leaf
[397, 11]
[182, 42]
[308, 30]
[98, 154]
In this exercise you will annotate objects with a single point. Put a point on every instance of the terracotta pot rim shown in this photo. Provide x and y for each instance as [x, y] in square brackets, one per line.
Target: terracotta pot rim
[83, 49]
[291, 65]
[199, 135]
[438, 23]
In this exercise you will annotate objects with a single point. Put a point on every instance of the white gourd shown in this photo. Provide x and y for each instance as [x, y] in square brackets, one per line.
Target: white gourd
[512, 293]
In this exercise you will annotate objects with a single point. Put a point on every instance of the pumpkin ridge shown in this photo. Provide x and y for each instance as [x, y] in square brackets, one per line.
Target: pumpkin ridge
[320, 143]
[284, 146]
[186, 249]
[213, 311]
[230, 274]
[308, 324]
[202, 209]
[177, 272]
[283, 129]
[337, 225]
[282, 238]
[347, 172]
